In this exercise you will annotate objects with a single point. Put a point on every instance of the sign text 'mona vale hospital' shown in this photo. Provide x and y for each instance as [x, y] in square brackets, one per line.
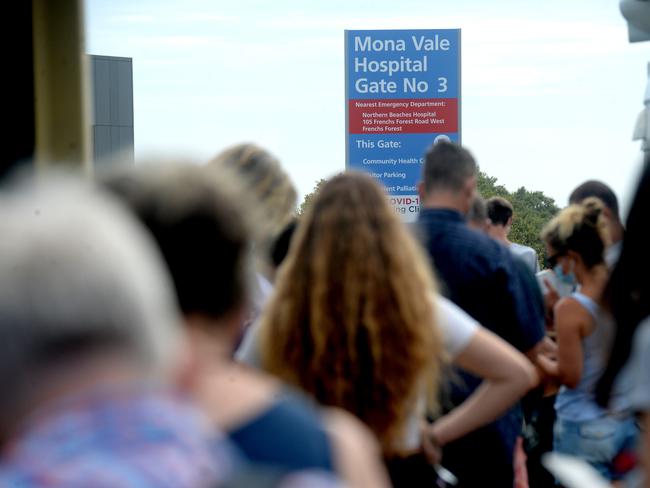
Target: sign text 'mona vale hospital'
[402, 92]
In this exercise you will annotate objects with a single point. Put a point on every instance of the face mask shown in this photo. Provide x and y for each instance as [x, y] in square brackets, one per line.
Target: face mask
[568, 279]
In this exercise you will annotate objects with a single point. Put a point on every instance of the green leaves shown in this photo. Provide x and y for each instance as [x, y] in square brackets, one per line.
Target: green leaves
[309, 197]
[533, 210]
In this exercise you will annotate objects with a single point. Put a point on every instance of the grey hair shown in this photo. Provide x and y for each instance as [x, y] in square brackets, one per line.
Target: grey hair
[77, 276]
[478, 210]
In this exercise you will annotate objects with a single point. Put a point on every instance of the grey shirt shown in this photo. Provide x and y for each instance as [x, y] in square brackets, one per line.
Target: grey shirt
[527, 254]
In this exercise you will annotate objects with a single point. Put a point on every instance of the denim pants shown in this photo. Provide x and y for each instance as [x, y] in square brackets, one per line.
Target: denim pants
[597, 441]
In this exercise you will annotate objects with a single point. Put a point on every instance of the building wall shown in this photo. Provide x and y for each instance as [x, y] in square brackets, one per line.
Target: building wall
[112, 122]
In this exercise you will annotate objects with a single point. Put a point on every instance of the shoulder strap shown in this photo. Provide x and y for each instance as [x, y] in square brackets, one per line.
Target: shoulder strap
[591, 306]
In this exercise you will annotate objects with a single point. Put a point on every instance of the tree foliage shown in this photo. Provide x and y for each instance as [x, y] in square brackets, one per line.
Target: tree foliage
[532, 209]
[309, 197]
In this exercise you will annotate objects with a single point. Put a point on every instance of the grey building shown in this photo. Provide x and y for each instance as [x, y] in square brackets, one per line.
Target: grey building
[112, 101]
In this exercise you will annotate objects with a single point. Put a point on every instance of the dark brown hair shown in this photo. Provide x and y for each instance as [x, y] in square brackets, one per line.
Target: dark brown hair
[202, 236]
[598, 189]
[499, 210]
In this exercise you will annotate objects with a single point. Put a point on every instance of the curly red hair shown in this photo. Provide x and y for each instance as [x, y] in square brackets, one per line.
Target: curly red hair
[352, 319]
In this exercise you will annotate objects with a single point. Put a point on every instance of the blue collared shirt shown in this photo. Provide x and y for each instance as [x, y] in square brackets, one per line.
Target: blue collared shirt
[481, 276]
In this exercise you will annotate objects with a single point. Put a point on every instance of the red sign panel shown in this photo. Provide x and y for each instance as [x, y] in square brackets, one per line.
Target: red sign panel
[403, 116]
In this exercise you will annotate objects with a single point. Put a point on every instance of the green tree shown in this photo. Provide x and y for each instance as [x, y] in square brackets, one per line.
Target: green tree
[309, 197]
[532, 209]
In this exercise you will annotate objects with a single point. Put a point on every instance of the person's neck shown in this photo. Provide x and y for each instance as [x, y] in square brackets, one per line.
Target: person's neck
[592, 281]
[440, 200]
[210, 345]
[616, 232]
[500, 233]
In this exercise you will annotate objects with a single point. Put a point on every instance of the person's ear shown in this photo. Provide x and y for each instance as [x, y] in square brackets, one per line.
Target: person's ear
[469, 191]
[607, 213]
[421, 191]
[574, 257]
[470, 186]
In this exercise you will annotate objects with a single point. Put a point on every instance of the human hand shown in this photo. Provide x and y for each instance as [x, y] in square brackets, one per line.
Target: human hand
[430, 446]
[551, 297]
[548, 365]
[548, 348]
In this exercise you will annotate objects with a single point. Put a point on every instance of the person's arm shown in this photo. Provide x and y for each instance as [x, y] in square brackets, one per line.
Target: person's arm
[551, 297]
[546, 347]
[507, 375]
[570, 322]
[357, 455]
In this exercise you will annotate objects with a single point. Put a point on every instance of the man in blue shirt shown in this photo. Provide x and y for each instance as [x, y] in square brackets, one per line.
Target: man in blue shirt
[480, 276]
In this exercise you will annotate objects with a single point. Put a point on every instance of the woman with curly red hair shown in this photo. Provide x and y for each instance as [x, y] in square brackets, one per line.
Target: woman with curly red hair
[356, 322]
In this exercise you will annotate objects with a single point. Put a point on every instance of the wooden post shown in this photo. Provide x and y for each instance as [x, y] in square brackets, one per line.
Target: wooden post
[61, 86]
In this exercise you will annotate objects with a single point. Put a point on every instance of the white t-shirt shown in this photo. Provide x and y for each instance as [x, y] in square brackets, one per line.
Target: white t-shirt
[456, 325]
[457, 329]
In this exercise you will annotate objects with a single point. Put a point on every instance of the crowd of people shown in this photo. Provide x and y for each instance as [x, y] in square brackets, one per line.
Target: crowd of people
[179, 325]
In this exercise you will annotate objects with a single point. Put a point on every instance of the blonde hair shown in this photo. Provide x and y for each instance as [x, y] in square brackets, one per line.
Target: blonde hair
[267, 187]
[352, 319]
[580, 228]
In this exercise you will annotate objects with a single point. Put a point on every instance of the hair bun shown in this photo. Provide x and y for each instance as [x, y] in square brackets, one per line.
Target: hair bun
[593, 208]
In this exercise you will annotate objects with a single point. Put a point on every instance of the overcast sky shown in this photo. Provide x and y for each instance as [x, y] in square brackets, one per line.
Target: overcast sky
[550, 90]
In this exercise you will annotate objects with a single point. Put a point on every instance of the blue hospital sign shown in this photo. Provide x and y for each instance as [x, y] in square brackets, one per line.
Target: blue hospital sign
[402, 93]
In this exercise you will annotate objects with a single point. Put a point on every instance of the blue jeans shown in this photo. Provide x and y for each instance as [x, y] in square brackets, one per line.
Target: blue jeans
[596, 441]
